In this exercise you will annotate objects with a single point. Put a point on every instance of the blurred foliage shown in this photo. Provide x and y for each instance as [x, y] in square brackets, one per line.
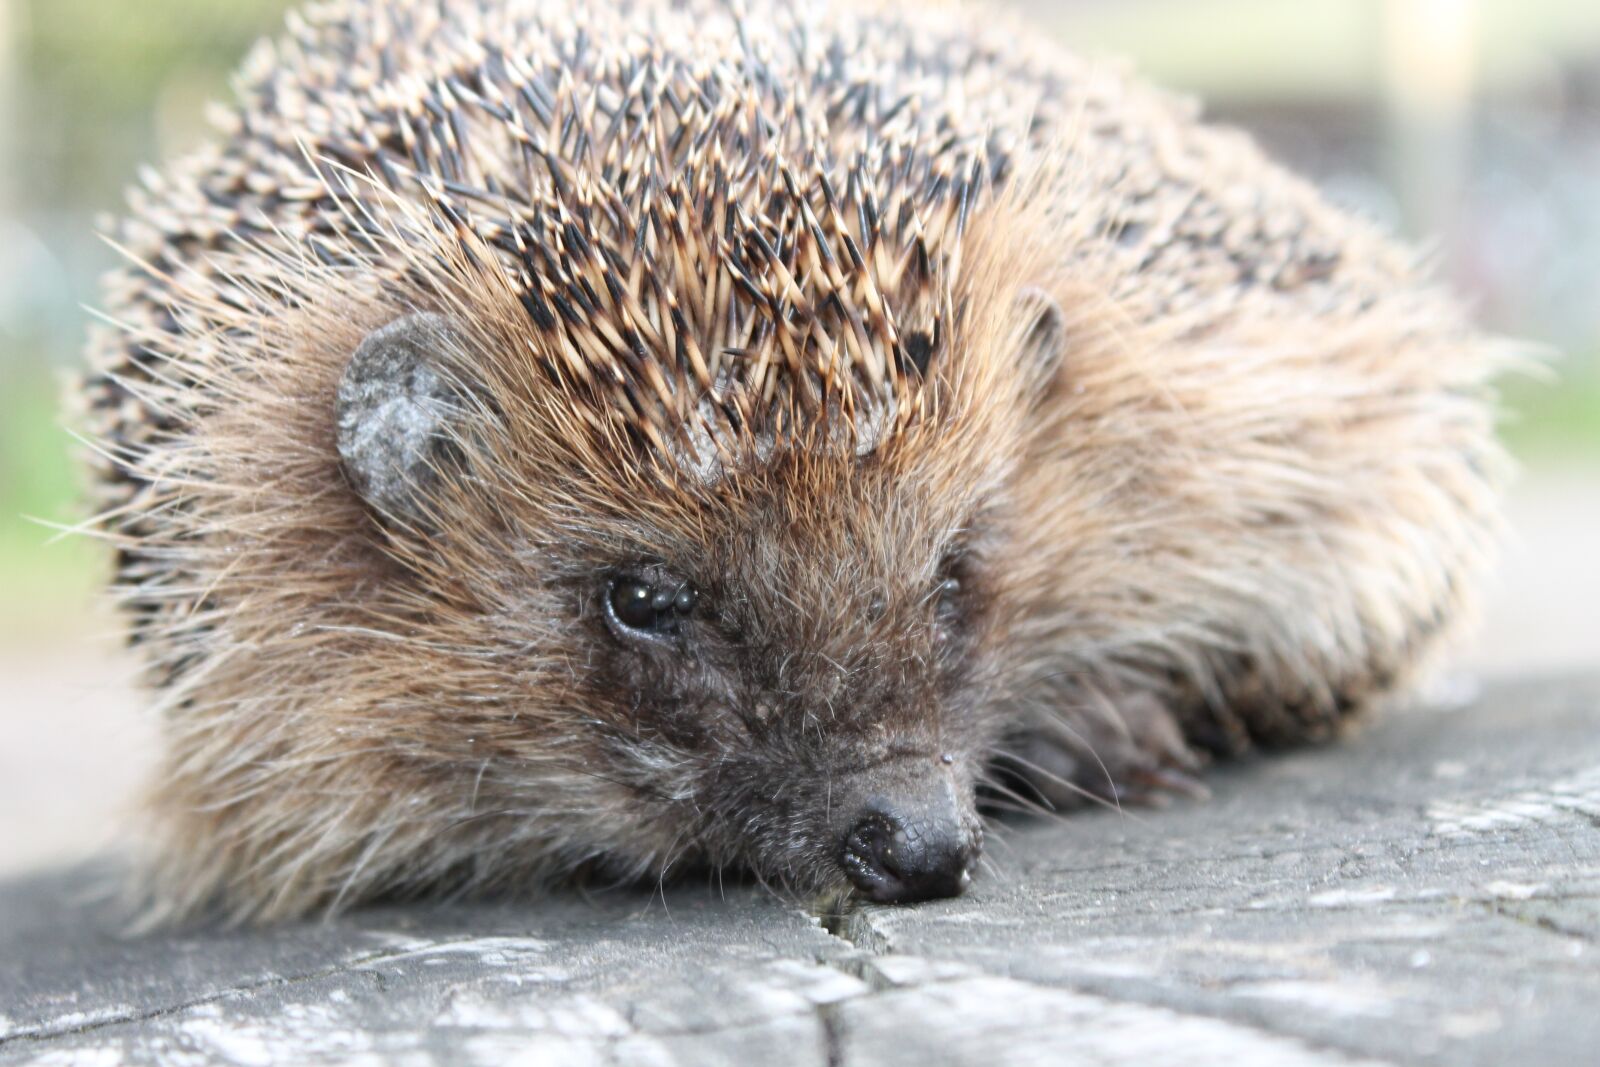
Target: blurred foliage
[1554, 418]
[47, 576]
[100, 78]
[98, 88]
[1308, 49]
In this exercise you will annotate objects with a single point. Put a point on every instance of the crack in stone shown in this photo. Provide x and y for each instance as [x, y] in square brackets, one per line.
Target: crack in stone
[832, 1034]
[852, 924]
[1544, 922]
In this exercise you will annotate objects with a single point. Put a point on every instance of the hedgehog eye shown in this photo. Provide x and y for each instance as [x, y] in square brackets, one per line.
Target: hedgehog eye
[638, 608]
[949, 601]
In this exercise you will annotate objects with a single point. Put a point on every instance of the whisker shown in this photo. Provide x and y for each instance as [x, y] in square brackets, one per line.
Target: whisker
[1050, 776]
[1002, 806]
[995, 783]
[1018, 802]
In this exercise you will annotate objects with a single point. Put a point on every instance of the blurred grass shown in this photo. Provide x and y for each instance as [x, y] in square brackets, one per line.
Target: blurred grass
[1556, 421]
[48, 578]
[114, 84]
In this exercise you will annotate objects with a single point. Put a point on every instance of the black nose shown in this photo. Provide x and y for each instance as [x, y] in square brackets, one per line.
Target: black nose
[898, 857]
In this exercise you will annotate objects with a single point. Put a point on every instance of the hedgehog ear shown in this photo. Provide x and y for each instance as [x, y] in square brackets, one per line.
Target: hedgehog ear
[398, 414]
[1044, 337]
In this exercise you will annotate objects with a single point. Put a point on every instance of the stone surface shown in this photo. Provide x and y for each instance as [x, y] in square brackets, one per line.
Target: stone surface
[1426, 892]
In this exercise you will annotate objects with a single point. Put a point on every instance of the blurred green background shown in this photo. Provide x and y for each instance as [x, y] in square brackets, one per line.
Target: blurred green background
[1474, 124]
[89, 91]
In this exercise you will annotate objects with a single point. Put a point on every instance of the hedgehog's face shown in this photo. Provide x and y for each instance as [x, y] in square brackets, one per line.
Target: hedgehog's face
[787, 668]
[808, 684]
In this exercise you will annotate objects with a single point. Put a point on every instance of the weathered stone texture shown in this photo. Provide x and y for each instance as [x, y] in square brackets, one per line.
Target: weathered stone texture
[1427, 892]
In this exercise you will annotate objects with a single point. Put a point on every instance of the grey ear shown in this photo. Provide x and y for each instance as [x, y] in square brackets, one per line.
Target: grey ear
[1044, 344]
[396, 405]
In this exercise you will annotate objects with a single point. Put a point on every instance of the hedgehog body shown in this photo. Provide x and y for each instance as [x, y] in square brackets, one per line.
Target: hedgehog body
[551, 437]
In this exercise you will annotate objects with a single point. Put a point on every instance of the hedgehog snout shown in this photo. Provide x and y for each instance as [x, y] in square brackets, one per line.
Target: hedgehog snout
[914, 840]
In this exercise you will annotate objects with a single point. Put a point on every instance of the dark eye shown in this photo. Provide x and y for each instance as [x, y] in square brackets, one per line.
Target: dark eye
[640, 608]
[951, 599]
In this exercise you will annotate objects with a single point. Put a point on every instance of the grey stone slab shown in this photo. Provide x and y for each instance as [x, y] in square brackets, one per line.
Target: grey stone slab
[622, 977]
[1426, 892]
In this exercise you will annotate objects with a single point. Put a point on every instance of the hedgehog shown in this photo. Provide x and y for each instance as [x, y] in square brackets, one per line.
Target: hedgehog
[547, 440]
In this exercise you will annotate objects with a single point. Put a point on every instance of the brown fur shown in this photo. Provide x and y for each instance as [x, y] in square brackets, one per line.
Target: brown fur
[1205, 454]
